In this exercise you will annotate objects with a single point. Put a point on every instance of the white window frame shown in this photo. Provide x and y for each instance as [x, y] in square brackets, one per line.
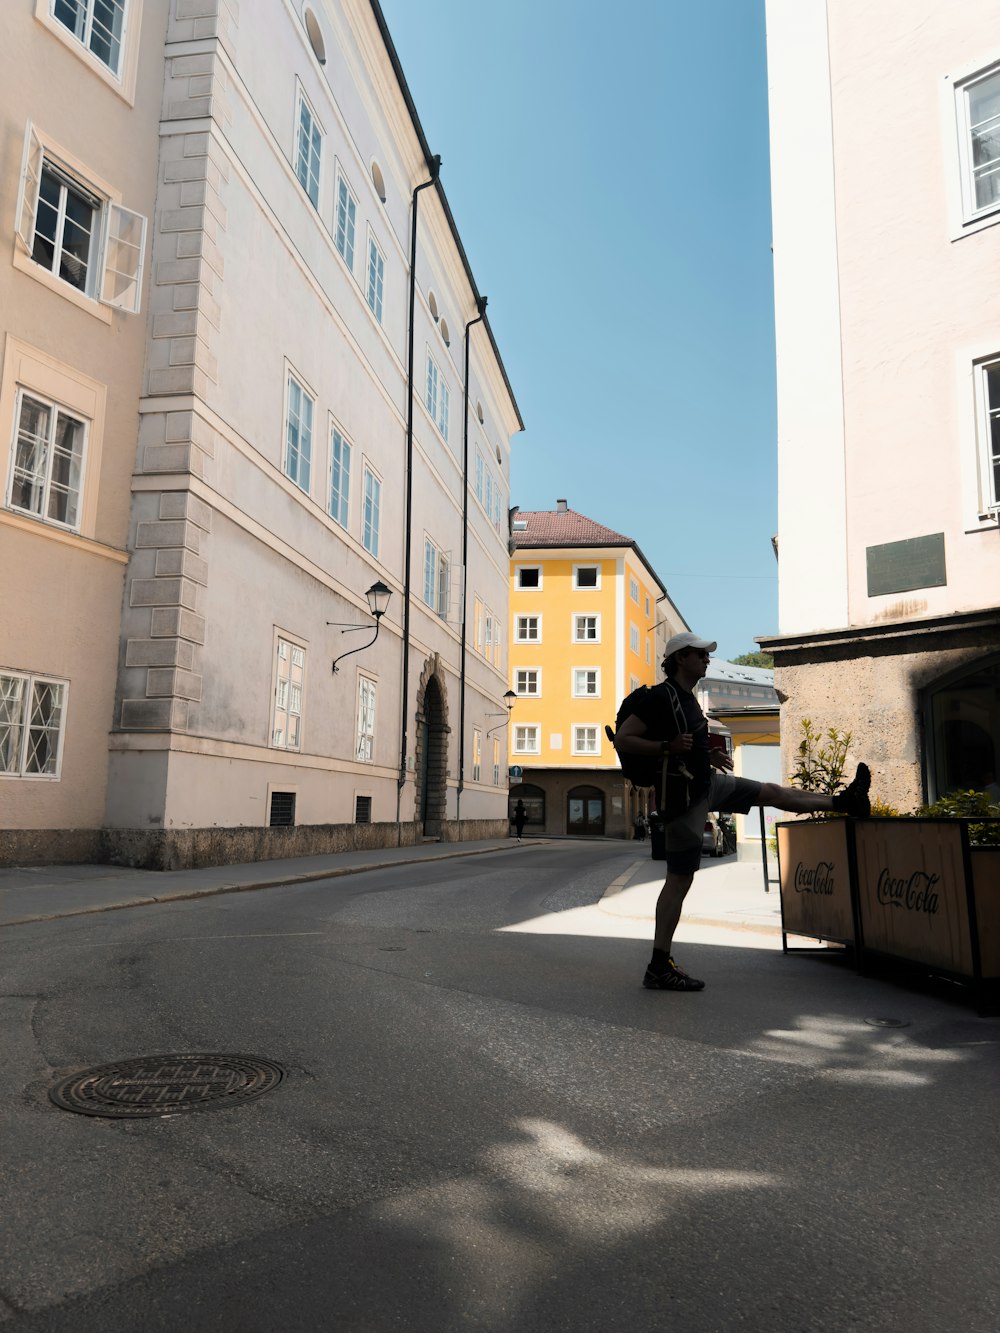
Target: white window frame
[121, 79]
[579, 616]
[118, 239]
[586, 748]
[634, 642]
[346, 229]
[521, 627]
[989, 488]
[477, 754]
[649, 651]
[29, 682]
[437, 396]
[339, 506]
[521, 743]
[496, 761]
[55, 409]
[314, 179]
[292, 377]
[371, 494]
[519, 570]
[536, 693]
[285, 652]
[589, 587]
[576, 673]
[437, 578]
[633, 589]
[971, 212]
[480, 476]
[364, 739]
[375, 282]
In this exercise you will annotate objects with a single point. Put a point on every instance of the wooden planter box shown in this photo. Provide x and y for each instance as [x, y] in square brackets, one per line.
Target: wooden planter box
[910, 890]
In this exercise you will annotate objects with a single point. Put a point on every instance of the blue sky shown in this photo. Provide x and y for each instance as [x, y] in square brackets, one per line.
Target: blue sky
[610, 183]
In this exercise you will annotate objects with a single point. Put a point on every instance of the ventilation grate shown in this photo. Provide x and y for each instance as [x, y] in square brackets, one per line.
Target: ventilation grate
[362, 810]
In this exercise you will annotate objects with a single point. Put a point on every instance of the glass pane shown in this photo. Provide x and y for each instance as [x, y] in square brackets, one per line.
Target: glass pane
[78, 226]
[595, 812]
[46, 220]
[67, 465]
[576, 812]
[73, 14]
[31, 456]
[43, 729]
[106, 31]
[11, 722]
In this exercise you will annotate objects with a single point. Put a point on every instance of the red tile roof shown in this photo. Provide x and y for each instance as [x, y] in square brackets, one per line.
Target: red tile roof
[552, 527]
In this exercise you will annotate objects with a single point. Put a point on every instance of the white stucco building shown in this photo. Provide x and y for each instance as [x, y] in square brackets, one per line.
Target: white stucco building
[287, 436]
[885, 156]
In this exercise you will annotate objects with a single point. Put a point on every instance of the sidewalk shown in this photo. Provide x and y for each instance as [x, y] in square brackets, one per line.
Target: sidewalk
[726, 893]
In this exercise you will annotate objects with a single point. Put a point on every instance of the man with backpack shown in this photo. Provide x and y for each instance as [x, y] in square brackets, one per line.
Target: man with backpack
[661, 738]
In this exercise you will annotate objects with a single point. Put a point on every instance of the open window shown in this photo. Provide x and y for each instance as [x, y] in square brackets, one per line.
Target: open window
[73, 231]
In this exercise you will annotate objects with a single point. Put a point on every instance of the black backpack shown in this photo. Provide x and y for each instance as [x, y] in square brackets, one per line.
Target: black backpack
[640, 769]
[649, 770]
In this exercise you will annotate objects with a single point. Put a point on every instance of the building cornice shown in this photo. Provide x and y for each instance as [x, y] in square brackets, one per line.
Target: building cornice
[844, 642]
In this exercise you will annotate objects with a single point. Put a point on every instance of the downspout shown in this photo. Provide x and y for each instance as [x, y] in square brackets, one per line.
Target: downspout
[481, 306]
[434, 166]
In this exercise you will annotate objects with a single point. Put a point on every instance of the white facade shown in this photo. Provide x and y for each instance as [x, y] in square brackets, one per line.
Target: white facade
[886, 199]
[271, 471]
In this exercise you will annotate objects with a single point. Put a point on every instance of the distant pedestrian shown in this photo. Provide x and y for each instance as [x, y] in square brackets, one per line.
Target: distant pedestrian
[640, 827]
[520, 815]
[670, 726]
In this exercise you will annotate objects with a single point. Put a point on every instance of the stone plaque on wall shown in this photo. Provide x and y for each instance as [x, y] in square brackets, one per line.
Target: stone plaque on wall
[903, 566]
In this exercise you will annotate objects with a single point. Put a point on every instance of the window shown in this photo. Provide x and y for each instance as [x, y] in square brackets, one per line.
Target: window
[528, 629]
[526, 740]
[586, 629]
[75, 232]
[633, 637]
[289, 675]
[378, 180]
[633, 683]
[376, 278]
[479, 476]
[32, 725]
[436, 579]
[633, 591]
[298, 434]
[527, 682]
[477, 754]
[98, 24]
[308, 151]
[647, 606]
[529, 577]
[492, 645]
[47, 467]
[979, 135]
[347, 213]
[436, 397]
[362, 809]
[586, 576]
[282, 810]
[373, 500]
[649, 653]
[989, 433]
[496, 762]
[585, 740]
[366, 720]
[586, 683]
[340, 478]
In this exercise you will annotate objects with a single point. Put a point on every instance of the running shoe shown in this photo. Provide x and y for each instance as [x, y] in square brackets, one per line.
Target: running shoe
[853, 800]
[670, 977]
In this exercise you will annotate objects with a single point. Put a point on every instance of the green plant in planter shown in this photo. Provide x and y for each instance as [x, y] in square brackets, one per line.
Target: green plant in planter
[968, 804]
[822, 758]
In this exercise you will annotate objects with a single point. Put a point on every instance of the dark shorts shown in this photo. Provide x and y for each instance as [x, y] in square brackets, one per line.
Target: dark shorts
[726, 795]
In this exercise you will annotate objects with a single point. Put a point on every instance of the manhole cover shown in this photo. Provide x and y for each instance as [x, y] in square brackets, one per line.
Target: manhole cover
[888, 1022]
[153, 1085]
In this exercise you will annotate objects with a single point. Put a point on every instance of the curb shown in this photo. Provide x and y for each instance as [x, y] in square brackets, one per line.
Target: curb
[620, 884]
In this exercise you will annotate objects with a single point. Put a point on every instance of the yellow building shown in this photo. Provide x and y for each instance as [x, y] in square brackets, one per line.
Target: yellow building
[588, 619]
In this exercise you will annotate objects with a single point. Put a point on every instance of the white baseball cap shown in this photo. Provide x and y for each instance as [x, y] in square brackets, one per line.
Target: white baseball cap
[688, 640]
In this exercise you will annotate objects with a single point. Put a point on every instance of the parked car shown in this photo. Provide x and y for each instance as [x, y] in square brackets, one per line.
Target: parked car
[719, 835]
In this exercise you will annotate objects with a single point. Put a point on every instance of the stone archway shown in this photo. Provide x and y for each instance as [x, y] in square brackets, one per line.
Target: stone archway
[432, 748]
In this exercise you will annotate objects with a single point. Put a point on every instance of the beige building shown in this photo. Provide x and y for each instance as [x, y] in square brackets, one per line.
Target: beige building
[885, 159]
[285, 425]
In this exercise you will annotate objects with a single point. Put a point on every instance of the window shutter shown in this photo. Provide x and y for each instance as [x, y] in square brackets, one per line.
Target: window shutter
[123, 250]
[27, 198]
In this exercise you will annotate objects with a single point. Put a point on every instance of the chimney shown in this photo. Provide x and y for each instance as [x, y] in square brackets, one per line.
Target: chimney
[561, 506]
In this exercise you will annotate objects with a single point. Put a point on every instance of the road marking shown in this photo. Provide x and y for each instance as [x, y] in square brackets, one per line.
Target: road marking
[621, 883]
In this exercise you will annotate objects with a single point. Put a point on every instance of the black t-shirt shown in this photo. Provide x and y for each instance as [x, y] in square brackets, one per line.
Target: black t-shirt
[656, 709]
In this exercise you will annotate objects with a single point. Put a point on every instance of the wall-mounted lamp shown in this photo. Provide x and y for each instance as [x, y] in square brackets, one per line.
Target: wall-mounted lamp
[378, 599]
[509, 700]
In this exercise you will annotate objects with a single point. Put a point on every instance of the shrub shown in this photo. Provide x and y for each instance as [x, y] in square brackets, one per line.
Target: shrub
[967, 805]
[822, 758]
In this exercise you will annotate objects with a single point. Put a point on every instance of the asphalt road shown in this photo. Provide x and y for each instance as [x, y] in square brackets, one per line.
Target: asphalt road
[486, 1123]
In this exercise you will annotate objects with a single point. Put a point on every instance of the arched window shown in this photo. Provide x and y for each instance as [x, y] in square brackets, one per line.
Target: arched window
[315, 34]
[378, 180]
[445, 334]
[534, 803]
[962, 718]
[432, 302]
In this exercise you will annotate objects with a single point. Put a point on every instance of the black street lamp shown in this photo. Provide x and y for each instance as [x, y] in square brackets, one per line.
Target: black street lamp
[509, 700]
[378, 599]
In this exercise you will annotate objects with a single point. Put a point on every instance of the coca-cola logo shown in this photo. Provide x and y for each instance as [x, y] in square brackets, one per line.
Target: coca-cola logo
[914, 892]
[814, 879]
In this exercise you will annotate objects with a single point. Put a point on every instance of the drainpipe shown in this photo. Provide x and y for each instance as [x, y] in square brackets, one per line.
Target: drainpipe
[481, 306]
[434, 166]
